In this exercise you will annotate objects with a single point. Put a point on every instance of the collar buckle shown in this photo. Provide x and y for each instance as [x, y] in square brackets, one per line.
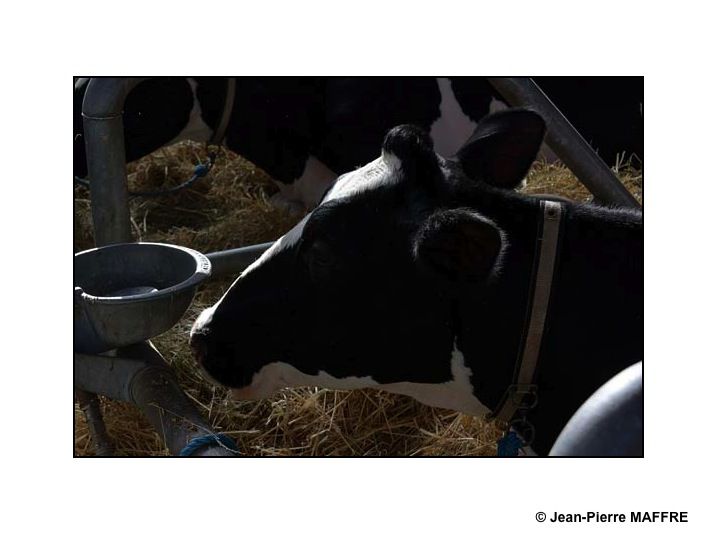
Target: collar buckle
[523, 396]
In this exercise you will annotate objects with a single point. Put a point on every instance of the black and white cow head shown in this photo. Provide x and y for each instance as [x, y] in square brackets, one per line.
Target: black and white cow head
[362, 291]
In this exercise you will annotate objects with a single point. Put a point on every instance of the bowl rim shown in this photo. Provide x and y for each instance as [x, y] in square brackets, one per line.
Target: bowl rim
[203, 270]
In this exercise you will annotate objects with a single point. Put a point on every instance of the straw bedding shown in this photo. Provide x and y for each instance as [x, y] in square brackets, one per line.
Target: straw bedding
[231, 208]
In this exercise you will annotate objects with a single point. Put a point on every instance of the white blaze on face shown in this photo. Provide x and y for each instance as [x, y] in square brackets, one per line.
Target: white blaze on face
[367, 178]
[455, 394]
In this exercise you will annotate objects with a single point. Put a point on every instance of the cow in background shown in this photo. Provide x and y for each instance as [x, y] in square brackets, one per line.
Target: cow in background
[303, 131]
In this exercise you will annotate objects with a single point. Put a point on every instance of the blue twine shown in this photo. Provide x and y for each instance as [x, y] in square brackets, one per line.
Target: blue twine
[201, 170]
[509, 445]
[208, 440]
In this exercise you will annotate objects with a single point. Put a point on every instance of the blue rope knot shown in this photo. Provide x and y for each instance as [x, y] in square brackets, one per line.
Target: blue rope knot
[509, 445]
[219, 439]
[201, 170]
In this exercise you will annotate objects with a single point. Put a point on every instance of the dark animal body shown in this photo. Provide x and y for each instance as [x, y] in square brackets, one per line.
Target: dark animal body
[303, 131]
[415, 275]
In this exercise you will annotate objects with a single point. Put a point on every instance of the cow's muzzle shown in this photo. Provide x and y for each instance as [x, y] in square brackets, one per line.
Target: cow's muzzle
[198, 344]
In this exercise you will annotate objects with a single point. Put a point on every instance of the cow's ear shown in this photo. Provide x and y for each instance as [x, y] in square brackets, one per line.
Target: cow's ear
[460, 246]
[503, 147]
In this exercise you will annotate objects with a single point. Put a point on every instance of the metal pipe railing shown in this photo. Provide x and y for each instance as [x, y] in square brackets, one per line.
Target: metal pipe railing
[565, 141]
[105, 154]
[153, 389]
[105, 151]
[235, 260]
[139, 375]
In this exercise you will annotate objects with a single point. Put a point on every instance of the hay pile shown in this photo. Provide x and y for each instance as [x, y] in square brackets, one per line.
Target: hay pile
[231, 209]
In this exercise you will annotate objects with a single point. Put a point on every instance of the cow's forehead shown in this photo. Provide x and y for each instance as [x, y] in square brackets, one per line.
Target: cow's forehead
[382, 171]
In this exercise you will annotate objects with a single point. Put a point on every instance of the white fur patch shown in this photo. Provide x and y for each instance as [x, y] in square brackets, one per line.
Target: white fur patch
[454, 127]
[365, 178]
[203, 320]
[289, 239]
[496, 106]
[455, 394]
[312, 184]
[196, 129]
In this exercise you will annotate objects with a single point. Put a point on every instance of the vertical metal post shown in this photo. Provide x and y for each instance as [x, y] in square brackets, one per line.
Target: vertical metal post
[565, 141]
[105, 153]
[105, 150]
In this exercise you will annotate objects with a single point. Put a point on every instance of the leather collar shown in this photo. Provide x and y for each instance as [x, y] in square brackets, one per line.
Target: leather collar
[521, 395]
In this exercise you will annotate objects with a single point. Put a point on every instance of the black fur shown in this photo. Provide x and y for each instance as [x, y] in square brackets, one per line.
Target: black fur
[277, 122]
[359, 295]
[458, 245]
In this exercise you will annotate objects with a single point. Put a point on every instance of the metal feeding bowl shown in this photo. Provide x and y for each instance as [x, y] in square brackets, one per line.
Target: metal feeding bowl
[127, 293]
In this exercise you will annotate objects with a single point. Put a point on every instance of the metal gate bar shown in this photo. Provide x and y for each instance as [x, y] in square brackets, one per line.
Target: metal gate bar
[139, 375]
